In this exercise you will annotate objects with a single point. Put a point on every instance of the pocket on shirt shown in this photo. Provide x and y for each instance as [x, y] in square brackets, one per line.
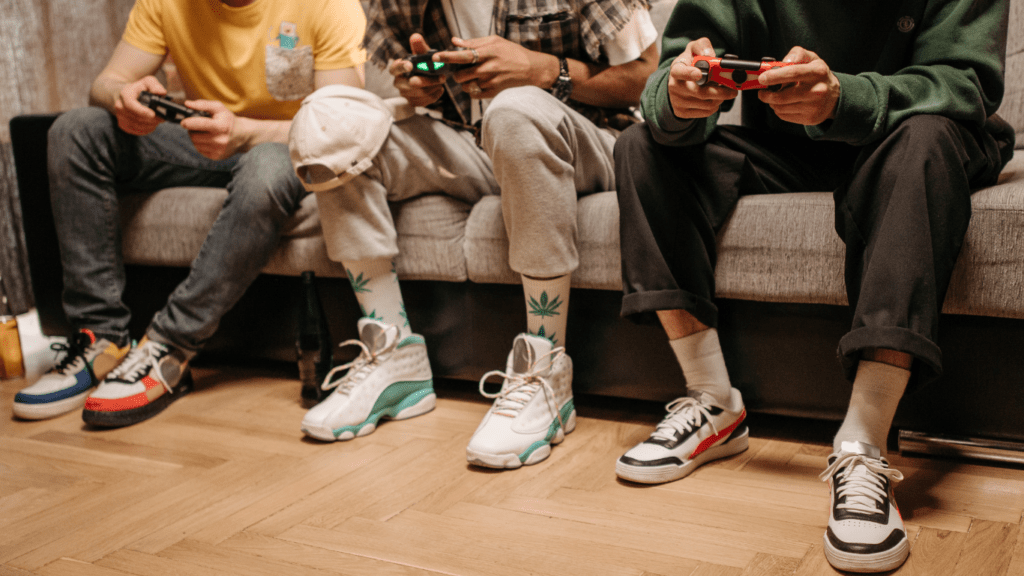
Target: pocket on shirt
[289, 72]
[555, 30]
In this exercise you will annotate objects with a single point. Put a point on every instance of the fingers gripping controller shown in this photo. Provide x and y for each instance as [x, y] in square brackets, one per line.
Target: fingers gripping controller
[169, 109]
[424, 65]
[731, 72]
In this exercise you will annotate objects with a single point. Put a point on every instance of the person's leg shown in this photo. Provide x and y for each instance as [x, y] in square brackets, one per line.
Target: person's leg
[391, 378]
[90, 162]
[545, 154]
[263, 193]
[672, 202]
[903, 216]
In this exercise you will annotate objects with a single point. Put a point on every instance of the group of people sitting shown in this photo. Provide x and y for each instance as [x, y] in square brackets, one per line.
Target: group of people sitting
[888, 104]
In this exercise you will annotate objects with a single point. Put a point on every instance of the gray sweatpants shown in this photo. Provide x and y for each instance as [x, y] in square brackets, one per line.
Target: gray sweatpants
[538, 153]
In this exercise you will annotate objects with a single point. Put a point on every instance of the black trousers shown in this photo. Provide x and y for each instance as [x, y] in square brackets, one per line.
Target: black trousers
[902, 208]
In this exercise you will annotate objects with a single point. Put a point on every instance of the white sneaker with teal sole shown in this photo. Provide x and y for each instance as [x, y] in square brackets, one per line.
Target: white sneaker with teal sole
[391, 378]
[533, 410]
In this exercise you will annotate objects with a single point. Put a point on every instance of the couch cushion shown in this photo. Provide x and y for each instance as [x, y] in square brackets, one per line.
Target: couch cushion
[167, 228]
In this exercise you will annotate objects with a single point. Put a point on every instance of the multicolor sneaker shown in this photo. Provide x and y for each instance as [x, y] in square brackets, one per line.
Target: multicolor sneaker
[865, 530]
[389, 379]
[151, 377]
[86, 361]
[696, 430]
[533, 410]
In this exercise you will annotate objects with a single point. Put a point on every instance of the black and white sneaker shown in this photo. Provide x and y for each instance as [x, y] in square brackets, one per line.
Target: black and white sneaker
[865, 530]
[696, 430]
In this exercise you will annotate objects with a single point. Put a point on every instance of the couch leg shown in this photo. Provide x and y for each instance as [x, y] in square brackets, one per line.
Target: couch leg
[1006, 451]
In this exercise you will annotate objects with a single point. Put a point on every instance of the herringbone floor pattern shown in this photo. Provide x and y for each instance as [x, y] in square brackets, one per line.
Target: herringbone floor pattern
[223, 483]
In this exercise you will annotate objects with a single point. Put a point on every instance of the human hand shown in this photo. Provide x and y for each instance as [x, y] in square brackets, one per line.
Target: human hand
[215, 137]
[496, 64]
[808, 90]
[418, 90]
[689, 100]
[132, 116]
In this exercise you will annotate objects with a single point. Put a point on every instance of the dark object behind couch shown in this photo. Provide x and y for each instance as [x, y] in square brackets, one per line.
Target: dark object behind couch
[781, 356]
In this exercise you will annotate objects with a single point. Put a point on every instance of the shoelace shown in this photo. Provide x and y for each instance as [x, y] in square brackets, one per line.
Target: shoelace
[74, 353]
[137, 363]
[517, 388]
[359, 368]
[683, 416]
[861, 481]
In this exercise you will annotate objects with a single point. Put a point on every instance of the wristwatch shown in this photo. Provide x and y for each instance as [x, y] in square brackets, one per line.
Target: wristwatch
[562, 87]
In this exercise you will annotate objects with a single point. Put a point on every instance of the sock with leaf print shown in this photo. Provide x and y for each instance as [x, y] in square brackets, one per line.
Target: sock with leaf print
[547, 307]
[375, 283]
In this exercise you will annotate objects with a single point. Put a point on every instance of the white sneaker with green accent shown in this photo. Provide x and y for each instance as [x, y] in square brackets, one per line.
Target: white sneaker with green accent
[391, 378]
[532, 411]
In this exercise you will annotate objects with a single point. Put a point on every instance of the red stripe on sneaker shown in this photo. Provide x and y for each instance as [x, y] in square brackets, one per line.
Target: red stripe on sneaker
[116, 404]
[714, 438]
[90, 334]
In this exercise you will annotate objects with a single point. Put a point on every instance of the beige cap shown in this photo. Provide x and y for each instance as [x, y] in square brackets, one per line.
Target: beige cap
[336, 134]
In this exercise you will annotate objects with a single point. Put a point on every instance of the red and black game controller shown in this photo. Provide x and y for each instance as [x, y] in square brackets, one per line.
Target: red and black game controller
[731, 72]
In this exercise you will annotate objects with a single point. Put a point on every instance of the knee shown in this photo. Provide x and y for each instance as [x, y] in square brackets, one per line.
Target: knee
[515, 110]
[264, 177]
[926, 131]
[79, 127]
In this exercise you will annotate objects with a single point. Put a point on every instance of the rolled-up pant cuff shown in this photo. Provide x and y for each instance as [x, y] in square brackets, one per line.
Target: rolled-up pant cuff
[928, 356]
[642, 303]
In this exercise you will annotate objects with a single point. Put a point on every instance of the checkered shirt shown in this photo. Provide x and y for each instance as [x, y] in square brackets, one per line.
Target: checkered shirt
[564, 28]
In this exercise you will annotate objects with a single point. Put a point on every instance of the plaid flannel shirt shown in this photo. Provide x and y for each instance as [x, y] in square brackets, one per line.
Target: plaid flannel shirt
[564, 28]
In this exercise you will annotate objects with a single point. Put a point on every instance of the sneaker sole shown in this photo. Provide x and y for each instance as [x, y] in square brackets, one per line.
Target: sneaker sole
[401, 411]
[123, 418]
[878, 562]
[535, 454]
[50, 409]
[670, 472]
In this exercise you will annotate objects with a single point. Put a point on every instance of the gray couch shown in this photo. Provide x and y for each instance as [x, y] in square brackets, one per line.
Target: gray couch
[779, 277]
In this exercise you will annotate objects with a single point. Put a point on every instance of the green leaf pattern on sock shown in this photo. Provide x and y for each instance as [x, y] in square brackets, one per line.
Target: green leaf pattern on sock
[545, 307]
[373, 315]
[549, 337]
[358, 283]
[403, 314]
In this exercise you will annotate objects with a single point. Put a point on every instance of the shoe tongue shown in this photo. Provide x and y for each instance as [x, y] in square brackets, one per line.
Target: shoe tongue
[862, 448]
[529, 349]
[375, 334]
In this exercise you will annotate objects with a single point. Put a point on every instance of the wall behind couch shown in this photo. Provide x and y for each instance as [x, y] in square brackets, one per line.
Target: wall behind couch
[52, 51]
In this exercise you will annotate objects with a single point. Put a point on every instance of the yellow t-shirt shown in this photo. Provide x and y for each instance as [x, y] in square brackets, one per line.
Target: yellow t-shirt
[259, 59]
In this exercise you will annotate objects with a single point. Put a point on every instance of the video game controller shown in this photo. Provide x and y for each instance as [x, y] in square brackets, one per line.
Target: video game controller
[424, 65]
[169, 109]
[731, 72]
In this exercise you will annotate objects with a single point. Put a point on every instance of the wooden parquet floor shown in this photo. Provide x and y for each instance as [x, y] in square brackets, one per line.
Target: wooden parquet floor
[223, 483]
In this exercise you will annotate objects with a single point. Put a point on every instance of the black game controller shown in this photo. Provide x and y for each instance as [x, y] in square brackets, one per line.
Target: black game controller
[424, 65]
[169, 109]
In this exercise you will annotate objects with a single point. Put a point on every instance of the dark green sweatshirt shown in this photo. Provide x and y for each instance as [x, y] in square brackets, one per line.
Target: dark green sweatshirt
[893, 59]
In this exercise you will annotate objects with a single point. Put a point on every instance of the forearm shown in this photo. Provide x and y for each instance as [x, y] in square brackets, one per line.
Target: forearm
[104, 91]
[604, 86]
[250, 132]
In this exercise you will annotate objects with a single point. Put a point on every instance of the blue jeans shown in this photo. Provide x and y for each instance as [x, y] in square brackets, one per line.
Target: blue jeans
[92, 162]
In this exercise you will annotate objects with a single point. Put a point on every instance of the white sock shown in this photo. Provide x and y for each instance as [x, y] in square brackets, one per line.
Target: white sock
[700, 356]
[877, 390]
[547, 307]
[375, 284]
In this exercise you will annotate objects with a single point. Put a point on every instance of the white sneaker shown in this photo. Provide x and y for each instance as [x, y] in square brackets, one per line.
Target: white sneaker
[865, 530]
[696, 430]
[389, 379]
[532, 411]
